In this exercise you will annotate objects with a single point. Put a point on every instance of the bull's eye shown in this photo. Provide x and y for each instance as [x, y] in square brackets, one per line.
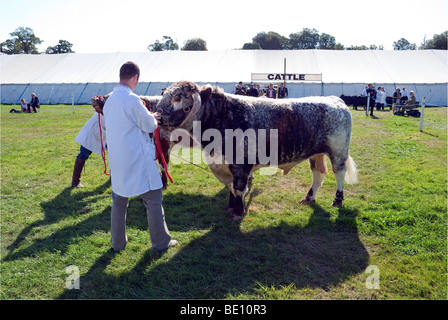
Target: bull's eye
[175, 99]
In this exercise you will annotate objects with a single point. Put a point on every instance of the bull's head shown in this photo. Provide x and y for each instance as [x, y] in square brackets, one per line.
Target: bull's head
[181, 102]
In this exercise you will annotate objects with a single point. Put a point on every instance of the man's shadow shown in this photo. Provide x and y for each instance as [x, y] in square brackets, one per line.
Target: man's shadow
[66, 204]
[228, 261]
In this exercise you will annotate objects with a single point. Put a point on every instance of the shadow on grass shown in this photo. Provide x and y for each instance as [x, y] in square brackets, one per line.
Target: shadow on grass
[66, 204]
[226, 261]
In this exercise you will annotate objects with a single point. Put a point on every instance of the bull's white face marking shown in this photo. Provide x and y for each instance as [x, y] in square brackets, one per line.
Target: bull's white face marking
[177, 103]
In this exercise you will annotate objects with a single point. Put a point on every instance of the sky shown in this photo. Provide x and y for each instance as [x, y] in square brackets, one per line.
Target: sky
[97, 26]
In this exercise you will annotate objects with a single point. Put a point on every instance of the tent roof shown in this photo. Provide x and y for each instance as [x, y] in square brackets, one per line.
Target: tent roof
[230, 66]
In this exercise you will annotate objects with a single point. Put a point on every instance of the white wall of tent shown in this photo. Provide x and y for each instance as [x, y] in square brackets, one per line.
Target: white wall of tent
[75, 78]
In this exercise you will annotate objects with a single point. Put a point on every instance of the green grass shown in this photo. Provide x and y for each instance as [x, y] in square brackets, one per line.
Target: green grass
[395, 218]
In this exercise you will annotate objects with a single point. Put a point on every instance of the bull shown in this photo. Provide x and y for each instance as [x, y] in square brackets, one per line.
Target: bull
[300, 129]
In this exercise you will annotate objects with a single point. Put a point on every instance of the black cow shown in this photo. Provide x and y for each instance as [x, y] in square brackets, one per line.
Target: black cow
[357, 101]
[244, 128]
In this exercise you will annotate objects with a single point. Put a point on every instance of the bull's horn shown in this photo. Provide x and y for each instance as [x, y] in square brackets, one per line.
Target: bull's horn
[196, 106]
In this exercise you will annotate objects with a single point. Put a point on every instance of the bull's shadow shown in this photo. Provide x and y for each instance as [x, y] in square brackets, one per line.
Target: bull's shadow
[227, 261]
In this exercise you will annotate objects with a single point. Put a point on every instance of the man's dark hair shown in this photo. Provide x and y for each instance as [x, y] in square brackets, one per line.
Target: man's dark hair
[128, 70]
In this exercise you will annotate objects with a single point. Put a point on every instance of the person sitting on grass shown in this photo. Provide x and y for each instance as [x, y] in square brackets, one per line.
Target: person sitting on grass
[23, 104]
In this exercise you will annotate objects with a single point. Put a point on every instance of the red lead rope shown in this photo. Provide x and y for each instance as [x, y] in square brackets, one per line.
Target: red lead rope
[159, 151]
[158, 146]
[103, 153]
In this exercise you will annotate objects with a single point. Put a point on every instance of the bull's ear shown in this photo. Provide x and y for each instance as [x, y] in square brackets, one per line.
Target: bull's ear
[206, 93]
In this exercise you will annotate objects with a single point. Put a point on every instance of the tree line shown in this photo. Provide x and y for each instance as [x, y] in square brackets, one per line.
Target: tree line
[23, 40]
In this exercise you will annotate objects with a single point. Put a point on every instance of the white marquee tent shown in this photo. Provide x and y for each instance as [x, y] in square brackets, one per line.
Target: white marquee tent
[64, 78]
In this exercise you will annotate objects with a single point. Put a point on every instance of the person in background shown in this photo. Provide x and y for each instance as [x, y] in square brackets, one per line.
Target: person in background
[270, 92]
[252, 92]
[364, 91]
[404, 96]
[23, 107]
[282, 91]
[131, 161]
[411, 103]
[396, 100]
[240, 90]
[372, 92]
[260, 91]
[379, 99]
[34, 103]
[383, 101]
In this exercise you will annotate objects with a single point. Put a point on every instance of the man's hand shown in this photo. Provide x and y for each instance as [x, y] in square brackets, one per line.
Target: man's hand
[156, 115]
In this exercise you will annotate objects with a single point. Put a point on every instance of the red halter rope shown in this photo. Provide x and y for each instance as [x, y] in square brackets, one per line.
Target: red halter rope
[103, 153]
[159, 151]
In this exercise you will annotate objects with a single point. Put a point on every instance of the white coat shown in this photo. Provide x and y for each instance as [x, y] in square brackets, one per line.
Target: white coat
[89, 136]
[379, 96]
[383, 97]
[131, 151]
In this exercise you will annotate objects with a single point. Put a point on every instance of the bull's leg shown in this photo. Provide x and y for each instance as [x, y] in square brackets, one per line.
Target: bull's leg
[238, 210]
[231, 205]
[239, 192]
[319, 169]
[339, 168]
[240, 188]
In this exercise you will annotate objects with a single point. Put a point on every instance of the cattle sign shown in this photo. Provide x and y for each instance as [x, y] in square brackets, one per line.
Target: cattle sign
[290, 77]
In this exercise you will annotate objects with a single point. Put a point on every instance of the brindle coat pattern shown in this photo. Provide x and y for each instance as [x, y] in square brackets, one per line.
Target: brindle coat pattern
[308, 128]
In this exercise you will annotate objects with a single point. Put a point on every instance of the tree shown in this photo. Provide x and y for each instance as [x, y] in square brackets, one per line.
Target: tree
[251, 46]
[326, 41]
[269, 41]
[166, 44]
[306, 39]
[375, 47]
[363, 47]
[439, 41]
[404, 44]
[23, 41]
[63, 46]
[195, 44]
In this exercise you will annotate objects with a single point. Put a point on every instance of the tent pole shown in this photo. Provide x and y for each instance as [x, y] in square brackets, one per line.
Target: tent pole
[147, 88]
[82, 92]
[73, 103]
[23, 92]
[321, 87]
[284, 75]
[368, 104]
[422, 114]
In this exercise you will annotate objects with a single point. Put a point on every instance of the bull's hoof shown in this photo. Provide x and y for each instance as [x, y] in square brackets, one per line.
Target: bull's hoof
[229, 209]
[306, 200]
[236, 217]
[337, 203]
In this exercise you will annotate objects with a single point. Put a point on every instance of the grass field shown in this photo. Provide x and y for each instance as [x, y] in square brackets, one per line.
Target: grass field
[392, 228]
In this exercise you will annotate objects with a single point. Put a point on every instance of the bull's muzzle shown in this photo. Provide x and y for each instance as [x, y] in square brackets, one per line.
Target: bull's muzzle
[164, 119]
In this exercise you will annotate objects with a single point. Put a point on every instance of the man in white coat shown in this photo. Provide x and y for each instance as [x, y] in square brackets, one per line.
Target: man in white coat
[131, 161]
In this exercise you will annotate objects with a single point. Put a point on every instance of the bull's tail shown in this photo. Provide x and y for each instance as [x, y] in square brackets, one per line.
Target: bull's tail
[351, 175]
